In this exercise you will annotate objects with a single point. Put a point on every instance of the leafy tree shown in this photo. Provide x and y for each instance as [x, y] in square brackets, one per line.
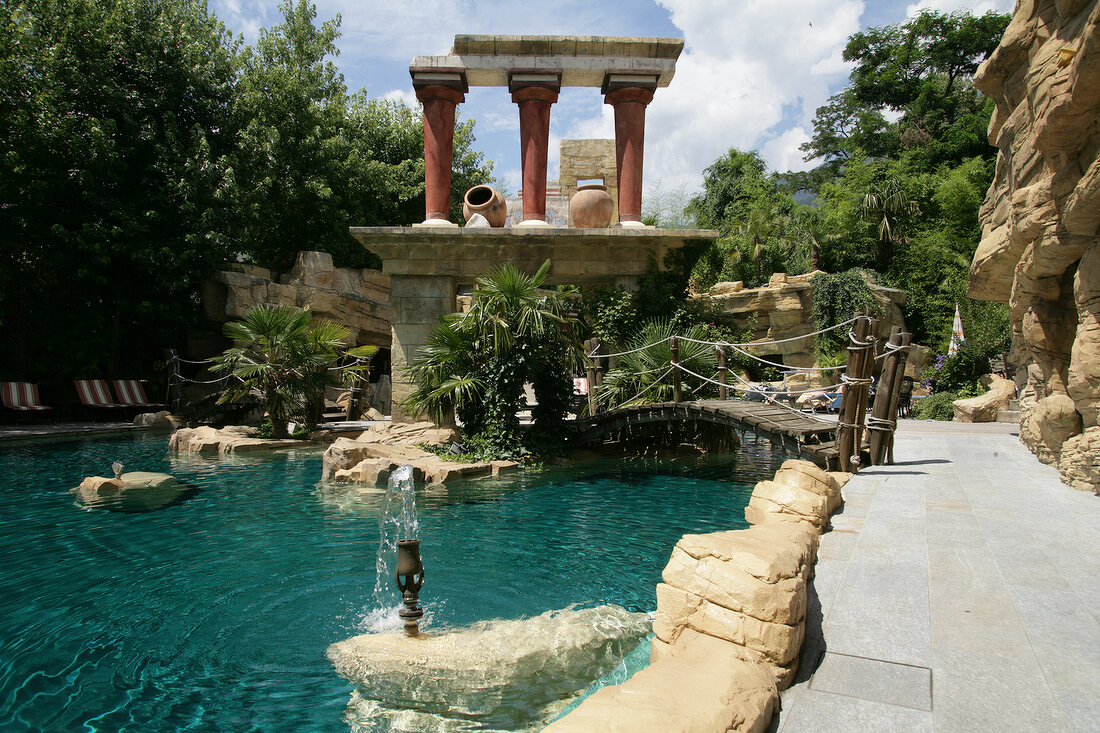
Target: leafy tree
[281, 355]
[920, 69]
[116, 186]
[476, 363]
[290, 108]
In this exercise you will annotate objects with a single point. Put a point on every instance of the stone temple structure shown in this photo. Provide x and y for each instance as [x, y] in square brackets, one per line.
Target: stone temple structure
[1040, 247]
[431, 262]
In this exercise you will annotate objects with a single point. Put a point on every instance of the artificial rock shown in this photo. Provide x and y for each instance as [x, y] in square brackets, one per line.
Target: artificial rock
[984, 408]
[1040, 246]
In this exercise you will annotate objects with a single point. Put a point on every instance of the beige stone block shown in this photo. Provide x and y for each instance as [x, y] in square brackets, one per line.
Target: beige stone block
[806, 475]
[773, 501]
[726, 584]
[770, 552]
[707, 685]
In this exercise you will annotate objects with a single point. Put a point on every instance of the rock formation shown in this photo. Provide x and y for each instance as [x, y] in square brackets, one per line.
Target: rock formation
[373, 455]
[497, 673]
[784, 308]
[731, 618]
[231, 439]
[358, 299]
[136, 491]
[1040, 249]
[984, 408]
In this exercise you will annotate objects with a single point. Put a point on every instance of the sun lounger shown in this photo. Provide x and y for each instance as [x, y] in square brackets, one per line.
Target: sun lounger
[94, 395]
[131, 394]
[22, 398]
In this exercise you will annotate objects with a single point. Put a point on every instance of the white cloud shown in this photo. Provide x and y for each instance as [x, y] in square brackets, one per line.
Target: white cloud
[751, 76]
[408, 96]
[979, 7]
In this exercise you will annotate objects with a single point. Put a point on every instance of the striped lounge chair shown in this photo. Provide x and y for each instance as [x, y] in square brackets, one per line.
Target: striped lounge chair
[132, 394]
[22, 398]
[94, 395]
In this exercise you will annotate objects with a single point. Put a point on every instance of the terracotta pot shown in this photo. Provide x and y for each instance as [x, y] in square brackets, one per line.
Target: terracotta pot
[591, 207]
[486, 201]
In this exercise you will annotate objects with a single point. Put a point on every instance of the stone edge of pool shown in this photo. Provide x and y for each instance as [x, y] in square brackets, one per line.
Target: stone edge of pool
[730, 620]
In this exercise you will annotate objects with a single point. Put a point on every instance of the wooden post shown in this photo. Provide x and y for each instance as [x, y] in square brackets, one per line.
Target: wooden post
[591, 346]
[845, 431]
[723, 391]
[677, 392]
[895, 396]
[864, 387]
[879, 425]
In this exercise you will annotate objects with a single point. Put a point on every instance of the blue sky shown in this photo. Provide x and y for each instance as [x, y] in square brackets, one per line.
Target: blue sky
[751, 76]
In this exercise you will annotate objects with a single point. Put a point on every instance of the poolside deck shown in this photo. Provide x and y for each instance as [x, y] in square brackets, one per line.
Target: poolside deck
[959, 590]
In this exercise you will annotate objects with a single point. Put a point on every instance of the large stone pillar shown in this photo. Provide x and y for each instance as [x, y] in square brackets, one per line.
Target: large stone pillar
[629, 104]
[439, 130]
[534, 134]
[419, 302]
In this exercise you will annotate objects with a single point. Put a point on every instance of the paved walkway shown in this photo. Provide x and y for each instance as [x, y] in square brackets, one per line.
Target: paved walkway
[959, 590]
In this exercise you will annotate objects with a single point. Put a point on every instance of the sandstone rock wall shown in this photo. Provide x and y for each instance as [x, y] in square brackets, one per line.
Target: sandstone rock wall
[359, 299]
[784, 309]
[1040, 249]
[730, 621]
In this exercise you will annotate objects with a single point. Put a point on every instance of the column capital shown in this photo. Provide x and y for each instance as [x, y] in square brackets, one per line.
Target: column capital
[629, 94]
[439, 91]
[534, 94]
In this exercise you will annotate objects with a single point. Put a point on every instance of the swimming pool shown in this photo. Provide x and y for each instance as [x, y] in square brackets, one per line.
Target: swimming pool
[215, 613]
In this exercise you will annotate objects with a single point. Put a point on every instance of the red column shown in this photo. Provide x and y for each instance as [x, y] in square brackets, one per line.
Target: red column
[534, 136]
[439, 132]
[629, 104]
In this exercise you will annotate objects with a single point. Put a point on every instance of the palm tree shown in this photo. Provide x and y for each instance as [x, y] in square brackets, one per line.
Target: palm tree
[888, 204]
[476, 363]
[640, 377]
[758, 227]
[283, 356]
[806, 227]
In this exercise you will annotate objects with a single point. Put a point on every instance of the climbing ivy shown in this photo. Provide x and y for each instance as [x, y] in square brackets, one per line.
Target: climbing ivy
[838, 297]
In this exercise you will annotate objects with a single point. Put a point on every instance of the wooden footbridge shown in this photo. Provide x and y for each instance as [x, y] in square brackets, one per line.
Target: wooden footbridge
[813, 438]
[853, 439]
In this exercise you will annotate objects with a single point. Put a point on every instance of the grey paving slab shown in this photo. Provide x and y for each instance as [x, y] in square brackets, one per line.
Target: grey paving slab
[970, 558]
[824, 712]
[873, 679]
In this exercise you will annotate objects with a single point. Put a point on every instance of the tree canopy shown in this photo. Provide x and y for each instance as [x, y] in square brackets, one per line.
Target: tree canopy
[143, 145]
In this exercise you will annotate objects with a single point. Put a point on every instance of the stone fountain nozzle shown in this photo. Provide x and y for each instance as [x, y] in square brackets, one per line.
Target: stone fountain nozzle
[410, 577]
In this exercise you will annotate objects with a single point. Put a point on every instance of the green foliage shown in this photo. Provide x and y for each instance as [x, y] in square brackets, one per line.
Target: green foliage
[116, 168]
[960, 371]
[641, 377]
[838, 298]
[935, 407]
[921, 69]
[476, 363]
[281, 355]
[142, 147]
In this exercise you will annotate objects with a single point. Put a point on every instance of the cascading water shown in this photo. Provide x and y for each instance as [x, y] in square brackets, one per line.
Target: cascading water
[397, 520]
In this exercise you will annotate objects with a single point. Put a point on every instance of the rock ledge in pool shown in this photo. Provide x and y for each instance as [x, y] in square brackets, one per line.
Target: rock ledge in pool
[375, 453]
[136, 491]
[496, 673]
[227, 440]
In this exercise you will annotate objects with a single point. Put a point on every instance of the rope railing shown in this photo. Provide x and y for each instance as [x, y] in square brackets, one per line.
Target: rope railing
[765, 395]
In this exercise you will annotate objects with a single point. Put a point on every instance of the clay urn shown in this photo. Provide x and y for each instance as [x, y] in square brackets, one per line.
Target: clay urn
[486, 201]
[591, 207]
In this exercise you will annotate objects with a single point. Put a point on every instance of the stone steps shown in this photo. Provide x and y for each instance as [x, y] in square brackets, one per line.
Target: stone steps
[1010, 412]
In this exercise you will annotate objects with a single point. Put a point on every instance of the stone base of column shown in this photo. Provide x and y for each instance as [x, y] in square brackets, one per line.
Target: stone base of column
[436, 223]
[533, 223]
[629, 224]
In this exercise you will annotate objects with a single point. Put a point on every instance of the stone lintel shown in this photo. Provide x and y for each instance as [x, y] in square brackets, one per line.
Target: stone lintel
[578, 256]
[576, 71]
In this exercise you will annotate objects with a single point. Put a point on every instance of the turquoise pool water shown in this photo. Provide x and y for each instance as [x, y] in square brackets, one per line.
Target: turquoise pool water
[214, 614]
